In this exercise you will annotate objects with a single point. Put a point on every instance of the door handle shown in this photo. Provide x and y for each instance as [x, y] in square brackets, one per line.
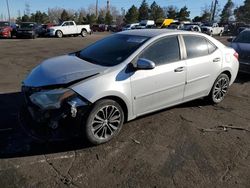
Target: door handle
[216, 59]
[179, 69]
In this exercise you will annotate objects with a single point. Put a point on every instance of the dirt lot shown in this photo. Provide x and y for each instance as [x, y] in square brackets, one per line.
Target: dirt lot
[165, 149]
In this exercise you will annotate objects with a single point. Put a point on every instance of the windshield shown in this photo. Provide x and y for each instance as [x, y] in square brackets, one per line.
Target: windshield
[112, 50]
[3, 24]
[243, 37]
[27, 25]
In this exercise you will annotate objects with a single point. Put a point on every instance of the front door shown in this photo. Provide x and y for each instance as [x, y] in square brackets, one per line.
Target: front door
[164, 85]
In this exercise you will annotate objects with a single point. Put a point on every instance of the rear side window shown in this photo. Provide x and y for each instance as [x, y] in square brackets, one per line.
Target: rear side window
[211, 47]
[164, 51]
[196, 46]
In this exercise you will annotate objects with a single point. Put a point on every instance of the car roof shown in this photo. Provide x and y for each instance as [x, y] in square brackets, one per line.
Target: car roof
[152, 32]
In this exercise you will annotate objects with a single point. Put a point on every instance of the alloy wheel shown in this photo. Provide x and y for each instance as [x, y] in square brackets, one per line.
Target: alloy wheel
[220, 89]
[106, 122]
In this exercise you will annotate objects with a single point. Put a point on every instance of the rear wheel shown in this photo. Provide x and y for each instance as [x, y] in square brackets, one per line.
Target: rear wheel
[220, 89]
[104, 121]
[59, 34]
[83, 33]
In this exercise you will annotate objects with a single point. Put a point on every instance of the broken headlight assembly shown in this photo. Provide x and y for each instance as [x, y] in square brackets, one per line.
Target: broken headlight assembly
[51, 99]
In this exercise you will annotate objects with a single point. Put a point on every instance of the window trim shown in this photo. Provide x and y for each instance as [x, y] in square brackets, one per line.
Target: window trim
[185, 49]
[181, 50]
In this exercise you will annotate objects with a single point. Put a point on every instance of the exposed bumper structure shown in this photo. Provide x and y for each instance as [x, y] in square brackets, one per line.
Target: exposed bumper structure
[50, 124]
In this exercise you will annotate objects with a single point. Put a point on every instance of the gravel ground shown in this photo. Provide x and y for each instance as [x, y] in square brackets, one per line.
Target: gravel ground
[164, 149]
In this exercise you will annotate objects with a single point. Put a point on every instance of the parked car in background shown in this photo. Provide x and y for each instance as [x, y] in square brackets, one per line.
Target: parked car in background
[240, 29]
[98, 28]
[14, 29]
[191, 27]
[212, 29]
[114, 28]
[69, 28]
[130, 26]
[5, 29]
[146, 24]
[241, 44]
[44, 29]
[27, 30]
[123, 76]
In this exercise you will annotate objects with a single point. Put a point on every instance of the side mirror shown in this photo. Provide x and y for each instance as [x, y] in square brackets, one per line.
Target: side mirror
[145, 64]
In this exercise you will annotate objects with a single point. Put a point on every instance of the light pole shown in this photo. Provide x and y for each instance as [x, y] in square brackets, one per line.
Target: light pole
[7, 2]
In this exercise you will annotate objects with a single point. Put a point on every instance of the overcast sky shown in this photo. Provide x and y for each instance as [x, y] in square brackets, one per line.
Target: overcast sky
[194, 6]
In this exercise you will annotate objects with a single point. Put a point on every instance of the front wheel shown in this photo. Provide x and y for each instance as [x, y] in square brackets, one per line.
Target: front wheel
[59, 34]
[219, 89]
[104, 121]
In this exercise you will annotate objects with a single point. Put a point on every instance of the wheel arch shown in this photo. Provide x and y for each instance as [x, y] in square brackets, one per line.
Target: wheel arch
[120, 101]
[57, 31]
[228, 73]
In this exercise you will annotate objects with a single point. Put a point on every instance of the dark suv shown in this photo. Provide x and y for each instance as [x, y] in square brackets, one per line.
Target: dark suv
[27, 30]
[241, 44]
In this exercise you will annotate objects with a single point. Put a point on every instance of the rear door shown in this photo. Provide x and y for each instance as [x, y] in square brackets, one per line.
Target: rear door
[204, 61]
[164, 85]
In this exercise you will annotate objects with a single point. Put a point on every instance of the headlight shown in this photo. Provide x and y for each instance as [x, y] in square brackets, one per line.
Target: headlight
[51, 99]
[51, 30]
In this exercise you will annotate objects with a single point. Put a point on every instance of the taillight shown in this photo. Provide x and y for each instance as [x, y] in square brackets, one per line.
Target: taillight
[236, 55]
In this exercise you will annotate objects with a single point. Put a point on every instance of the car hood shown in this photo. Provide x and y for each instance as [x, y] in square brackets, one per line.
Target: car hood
[61, 70]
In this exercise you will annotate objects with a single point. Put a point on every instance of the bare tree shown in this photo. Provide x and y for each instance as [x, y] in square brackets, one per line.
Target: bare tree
[91, 9]
[27, 9]
[54, 14]
[114, 12]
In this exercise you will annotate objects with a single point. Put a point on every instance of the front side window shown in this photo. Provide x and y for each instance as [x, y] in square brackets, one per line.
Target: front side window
[164, 51]
[112, 50]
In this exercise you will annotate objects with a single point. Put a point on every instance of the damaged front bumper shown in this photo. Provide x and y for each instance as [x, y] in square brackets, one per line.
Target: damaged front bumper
[52, 121]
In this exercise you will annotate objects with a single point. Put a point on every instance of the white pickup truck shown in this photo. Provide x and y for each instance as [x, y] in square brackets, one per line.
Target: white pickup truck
[212, 29]
[69, 28]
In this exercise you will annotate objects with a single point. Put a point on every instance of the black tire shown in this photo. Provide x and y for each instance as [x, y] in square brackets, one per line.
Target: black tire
[98, 128]
[59, 34]
[84, 33]
[218, 93]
